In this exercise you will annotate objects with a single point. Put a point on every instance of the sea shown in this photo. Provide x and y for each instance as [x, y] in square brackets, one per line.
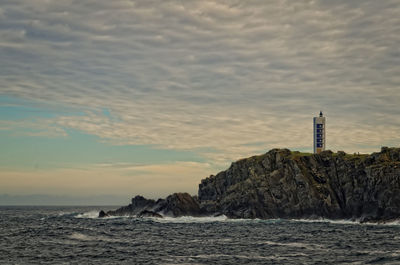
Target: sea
[74, 235]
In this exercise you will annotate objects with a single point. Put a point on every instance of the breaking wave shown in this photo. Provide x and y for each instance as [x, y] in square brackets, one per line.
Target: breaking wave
[75, 234]
[346, 222]
[91, 215]
[223, 218]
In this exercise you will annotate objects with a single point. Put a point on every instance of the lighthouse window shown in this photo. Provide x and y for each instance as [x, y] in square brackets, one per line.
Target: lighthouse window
[319, 130]
[319, 135]
[319, 125]
[319, 145]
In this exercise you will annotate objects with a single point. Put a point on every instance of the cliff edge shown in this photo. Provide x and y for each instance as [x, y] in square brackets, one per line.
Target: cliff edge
[285, 184]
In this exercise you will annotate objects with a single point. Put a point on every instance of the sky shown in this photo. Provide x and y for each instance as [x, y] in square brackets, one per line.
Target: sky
[110, 99]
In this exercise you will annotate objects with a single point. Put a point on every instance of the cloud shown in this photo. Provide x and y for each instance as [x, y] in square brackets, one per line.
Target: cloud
[154, 181]
[209, 75]
[43, 128]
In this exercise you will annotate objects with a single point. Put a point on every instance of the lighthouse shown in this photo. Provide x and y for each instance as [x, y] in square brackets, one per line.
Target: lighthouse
[319, 133]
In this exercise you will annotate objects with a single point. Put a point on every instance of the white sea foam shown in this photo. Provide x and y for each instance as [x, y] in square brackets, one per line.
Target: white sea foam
[346, 222]
[191, 219]
[83, 237]
[220, 255]
[323, 220]
[208, 219]
[394, 222]
[294, 244]
[95, 215]
[223, 218]
[91, 214]
[79, 236]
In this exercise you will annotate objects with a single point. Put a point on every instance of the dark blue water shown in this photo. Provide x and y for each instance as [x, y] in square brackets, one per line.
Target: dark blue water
[72, 235]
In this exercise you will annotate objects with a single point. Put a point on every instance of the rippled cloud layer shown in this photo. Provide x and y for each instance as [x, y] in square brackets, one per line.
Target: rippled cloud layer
[224, 78]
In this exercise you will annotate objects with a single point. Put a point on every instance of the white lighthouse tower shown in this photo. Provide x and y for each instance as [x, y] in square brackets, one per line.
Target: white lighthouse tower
[319, 133]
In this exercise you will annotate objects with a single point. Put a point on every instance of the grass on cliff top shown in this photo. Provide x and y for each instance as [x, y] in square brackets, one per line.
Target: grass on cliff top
[352, 156]
[259, 158]
[256, 158]
[297, 154]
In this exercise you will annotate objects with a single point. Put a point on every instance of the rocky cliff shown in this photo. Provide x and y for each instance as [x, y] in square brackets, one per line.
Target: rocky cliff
[285, 184]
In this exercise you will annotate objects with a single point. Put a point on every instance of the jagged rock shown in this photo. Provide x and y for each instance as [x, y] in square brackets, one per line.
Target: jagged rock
[138, 204]
[147, 213]
[179, 204]
[281, 184]
[141, 202]
[103, 214]
[285, 184]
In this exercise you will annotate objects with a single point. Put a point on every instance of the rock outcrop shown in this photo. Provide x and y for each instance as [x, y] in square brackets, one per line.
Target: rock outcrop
[175, 205]
[137, 205]
[103, 214]
[179, 204]
[285, 184]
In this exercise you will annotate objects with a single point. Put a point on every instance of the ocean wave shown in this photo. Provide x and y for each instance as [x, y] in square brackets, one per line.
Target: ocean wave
[81, 237]
[346, 221]
[209, 219]
[394, 222]
[191, 219]
[95, 215]
[91, 215]
[84, 237]
[323, 220]
[251, 257]
[165, 219]
[223, 218]
[301, 245]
